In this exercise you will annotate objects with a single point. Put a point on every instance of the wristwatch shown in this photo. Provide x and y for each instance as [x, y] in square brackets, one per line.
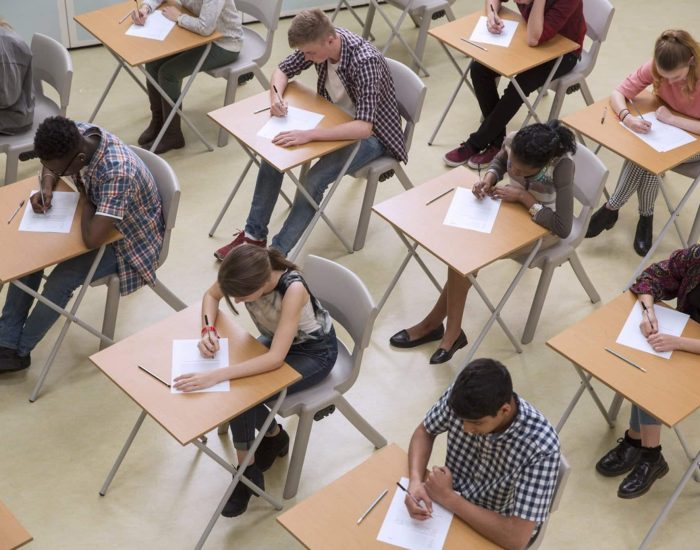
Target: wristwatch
[534, 209]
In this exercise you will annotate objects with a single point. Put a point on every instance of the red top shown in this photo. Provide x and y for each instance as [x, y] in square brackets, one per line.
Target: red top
[564, 17]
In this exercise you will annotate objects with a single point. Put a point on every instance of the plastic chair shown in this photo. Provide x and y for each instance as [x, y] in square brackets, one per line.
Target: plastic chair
[562, 478]
[169, 190]
[51, 64]
[589, 181]
[347, 299]
[254, 54]
[410, 95]
[598, 15]
[692, 171]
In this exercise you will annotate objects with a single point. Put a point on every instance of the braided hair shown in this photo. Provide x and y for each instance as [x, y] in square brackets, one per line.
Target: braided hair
[56, 138]
[537, 144]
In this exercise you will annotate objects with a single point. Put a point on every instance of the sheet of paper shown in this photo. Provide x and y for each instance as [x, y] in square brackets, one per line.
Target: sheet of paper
[58, 219]
[157, 27]
[187, 359]
[296, 119]
[482, 35]
[401, 530]
[662, 137]
[468, 212]
[670, 322]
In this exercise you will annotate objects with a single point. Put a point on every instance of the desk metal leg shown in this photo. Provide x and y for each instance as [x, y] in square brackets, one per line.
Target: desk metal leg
[224, 208]
[671, 212]
[352, 12]
[540, 95]
[686, 450]
[122, 453]
[614, 409]
[585, 385]
[120, 65]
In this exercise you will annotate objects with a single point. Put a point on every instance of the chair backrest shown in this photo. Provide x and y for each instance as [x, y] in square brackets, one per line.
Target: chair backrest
[410, 95]
[268, 13]
[169, 190]
[348, 301]
[564, 471]
[51, 63]
[589, 181]
[598, 15]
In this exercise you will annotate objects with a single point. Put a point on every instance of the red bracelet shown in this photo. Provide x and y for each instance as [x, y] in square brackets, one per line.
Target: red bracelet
[210, 328]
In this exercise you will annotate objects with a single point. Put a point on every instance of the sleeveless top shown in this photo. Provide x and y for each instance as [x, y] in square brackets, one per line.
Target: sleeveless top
[314, 322]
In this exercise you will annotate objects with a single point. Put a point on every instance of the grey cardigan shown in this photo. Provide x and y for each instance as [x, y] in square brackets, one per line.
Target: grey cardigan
[16, 92]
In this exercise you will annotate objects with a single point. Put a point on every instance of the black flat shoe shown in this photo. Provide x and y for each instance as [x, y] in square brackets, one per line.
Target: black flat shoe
[10, 361]
[640, 480]
[602, 219]
[619, 460]
[443, 355]
[402, 340]
[644, 235]
[238, 501]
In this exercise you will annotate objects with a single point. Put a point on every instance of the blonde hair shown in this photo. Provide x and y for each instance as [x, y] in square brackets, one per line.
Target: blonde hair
[4, 24]
[674, 49]
[309, 26]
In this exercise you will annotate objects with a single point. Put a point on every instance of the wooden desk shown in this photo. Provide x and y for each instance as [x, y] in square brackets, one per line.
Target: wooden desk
[508, 62]
[241, 121]
[612, 135]
[26, 252]
[135, 51]
[12, 534]
[464, 251]
[187, 417]
[669, 390]
[328, 518]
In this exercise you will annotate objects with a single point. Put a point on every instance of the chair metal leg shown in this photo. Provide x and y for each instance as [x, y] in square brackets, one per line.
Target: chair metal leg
[222, 429]
[369, 20]
[301, 442]
[365, 211]
[229, 97]
[167, 296]
[538, 303]
[695, 230]
[557, 104]
[357, 420]
[583, 278]
[586, 92]
[109, 322]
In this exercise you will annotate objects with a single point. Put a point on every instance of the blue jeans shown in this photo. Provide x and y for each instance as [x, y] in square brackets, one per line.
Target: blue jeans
[640, 416]
[314, 360]
[21, 331]
[319, 177]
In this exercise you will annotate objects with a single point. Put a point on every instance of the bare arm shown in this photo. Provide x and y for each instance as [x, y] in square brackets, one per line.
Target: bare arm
[95, 228]
[633, 122]
[535, 23]
[419, 450]
[664, 114]
[493, 24]
[278, 80]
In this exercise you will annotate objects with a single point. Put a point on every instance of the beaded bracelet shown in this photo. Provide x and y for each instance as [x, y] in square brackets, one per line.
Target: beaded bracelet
[624, 117]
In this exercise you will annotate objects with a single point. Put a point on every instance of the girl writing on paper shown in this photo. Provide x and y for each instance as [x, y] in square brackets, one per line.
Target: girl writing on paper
[538, 162]
[640, 449]
[673, 73]
[293, 325]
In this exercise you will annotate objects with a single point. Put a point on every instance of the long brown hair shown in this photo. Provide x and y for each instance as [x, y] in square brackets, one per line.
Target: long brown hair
[674, 49]
[247, 268]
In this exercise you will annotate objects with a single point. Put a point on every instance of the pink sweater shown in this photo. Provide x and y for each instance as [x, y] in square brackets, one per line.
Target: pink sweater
[672, 94]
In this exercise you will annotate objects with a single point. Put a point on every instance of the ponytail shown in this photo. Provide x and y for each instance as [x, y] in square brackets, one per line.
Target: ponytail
[538, 144]
[675, 49]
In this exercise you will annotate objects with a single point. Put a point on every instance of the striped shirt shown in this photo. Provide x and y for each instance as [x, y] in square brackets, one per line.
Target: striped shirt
[365, 74]
[513, 472]
[120, 186]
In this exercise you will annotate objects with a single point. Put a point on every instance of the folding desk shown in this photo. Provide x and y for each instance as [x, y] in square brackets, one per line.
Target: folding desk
[12, 534]
[25, 252]
[133, 51]
[242, 122]
[188, 417]
[464, 251]
[669, 390]
[328, 518]
[508, 62]
[612, 135]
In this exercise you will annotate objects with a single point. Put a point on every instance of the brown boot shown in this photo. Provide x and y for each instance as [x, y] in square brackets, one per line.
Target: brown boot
[149, 135]
[172, 138]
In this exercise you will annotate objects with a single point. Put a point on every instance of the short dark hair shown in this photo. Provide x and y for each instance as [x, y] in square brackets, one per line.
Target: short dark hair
[482, 388]
[56, 138]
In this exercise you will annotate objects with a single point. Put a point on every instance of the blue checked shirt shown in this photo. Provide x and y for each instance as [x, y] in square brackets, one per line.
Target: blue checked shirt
[513, 473]
[363, 71]
[120, 186]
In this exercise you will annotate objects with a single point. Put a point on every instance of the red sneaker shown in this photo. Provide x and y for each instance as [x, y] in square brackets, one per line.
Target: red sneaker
[460, 155]
[239, 240]
[483, 159]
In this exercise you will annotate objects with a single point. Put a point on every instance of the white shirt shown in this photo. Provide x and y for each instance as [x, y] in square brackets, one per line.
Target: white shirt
[336, 90]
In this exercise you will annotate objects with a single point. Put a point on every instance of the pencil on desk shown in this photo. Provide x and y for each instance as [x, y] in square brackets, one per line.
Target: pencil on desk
[262, 110]
[625, 359]
[474, 44]
[371, 506]
[125, 17]
[21, 204]
[431, 201]
[605, 112]
[153, 375]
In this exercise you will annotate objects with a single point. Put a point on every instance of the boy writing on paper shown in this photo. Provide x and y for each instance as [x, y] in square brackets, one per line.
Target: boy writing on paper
[354, 75]
[502, 458]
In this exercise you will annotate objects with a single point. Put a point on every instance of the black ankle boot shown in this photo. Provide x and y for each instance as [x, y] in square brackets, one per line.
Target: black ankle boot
[270, 448]
[238, 501]
[603, 218]
[149, 135]
[644, 234]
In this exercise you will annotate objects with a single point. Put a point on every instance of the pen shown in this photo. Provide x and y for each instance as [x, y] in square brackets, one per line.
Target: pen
[262, 110]
[492, 10]
[41, 193]
[21, 204]
[371, 506]
[439, 196]
[625, 359]
[153, 375]
[474, 44]
[206, 322]
[605, 112]
[125, 17]
[636, 109]
[409, 494]
[279, 97]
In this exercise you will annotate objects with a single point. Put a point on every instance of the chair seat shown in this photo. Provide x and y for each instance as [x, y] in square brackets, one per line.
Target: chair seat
[43, 108]
[420, 5]
[689, 169]
[253, 48]
[580, 71]
[378, 165]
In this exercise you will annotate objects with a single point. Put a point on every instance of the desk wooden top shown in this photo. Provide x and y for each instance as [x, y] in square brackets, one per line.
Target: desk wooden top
[463, 250]
[104, 25]
[669, 390]
[188, 416]
[239, 120]
[25, 252]
[612, 135]
[328, 518]
[510, 61]
[12, 534]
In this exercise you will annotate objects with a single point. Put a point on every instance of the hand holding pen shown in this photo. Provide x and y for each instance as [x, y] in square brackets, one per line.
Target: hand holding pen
[493, 24]
[41, 201]
[279, 106]
[649, 324]
[417, 501]
[209, 343]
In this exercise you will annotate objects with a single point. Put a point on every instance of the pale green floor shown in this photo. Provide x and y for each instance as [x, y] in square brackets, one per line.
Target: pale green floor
[55, 453]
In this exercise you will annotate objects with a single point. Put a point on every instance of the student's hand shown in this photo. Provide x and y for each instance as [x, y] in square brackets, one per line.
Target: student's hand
[484, 187]
[35, 201]
[208, 345]
[171, 12]
[493, 23]
[664, 342]
[139, 16]
[649, 324]
[438, 484]
[637, 125]
[425, 510]
[507, 193]
[278, 108]
[664, 114]
[197, 381]
[292, 138]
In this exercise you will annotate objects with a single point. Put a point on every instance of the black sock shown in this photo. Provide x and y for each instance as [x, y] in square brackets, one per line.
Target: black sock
[634, 442]
[651, 454]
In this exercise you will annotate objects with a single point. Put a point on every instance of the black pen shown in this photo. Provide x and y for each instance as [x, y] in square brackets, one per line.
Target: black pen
[410, 495]
[206, 322]
[153, 375]
[605, 112]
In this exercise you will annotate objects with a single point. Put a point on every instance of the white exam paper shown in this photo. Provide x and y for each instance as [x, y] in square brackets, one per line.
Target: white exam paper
[468, 212]
[157, 27]
[187, 359]
[662, 137]
[401, 530]
[296, 119]
[481, 33]
[670, 322]
[58, 218]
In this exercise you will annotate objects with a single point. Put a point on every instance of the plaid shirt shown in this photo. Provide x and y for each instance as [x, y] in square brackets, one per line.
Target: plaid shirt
[364, 73]
[121, 187]
[513, 473]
